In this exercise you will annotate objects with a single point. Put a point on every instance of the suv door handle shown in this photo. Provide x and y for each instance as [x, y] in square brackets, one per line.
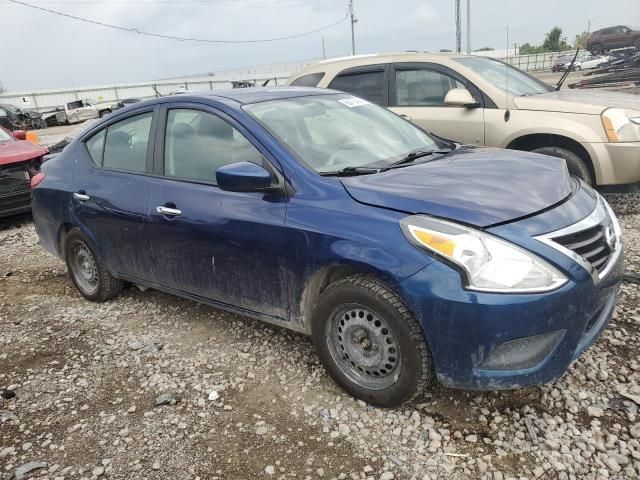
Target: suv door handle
[170, 212]
[81, 196]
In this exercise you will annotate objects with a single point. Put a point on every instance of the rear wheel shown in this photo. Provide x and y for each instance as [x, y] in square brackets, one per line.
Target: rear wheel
[575, 164]
[87, 271]
[370, 343]
[104, 113]
[637, 43]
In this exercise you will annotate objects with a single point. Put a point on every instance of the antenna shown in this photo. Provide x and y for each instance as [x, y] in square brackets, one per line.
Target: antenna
[507, 113]
[458, 28]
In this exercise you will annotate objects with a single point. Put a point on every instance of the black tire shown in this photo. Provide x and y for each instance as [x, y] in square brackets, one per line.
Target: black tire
[575, 164]
[577, 68]
[596, 49]
[104, 113]
[414, 362]
[104, 285]
[637, 43]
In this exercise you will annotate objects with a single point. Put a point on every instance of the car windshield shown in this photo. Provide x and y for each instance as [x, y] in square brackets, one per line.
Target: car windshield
[333, 132]
[495, 72]
[4, 136]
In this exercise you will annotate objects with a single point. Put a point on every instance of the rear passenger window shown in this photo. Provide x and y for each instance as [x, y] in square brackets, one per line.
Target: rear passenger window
[95, 145]
[125, 147]
[369, 85]
[198, 143]
[310, 80]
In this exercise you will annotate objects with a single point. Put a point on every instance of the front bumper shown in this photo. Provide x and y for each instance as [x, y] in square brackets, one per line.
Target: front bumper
[464, 328]
[615, 163]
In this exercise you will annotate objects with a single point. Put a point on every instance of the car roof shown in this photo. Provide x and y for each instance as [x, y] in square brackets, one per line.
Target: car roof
[264, 94]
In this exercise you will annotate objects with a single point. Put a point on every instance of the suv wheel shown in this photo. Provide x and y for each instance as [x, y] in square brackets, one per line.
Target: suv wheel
[370, 343]
[575, 164]
[87, 271]
[596, 49]
[637, 43]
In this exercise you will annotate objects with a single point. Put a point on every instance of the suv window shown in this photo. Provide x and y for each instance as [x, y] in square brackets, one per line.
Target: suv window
[369, 85]
[125, 147]
[423, 87]
[310, 80]
[198, 143]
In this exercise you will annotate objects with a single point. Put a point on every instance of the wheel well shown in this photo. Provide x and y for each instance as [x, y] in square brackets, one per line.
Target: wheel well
[538, 140]
[317, 284]
[63, 231]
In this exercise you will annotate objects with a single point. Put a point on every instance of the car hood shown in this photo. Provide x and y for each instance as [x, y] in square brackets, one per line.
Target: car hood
[19, 151]
[476, 186]
[587, 101]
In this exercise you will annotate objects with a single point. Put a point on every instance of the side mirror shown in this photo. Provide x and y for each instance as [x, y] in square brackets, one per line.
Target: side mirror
[460, 97]
[19, 134]
[243, 177]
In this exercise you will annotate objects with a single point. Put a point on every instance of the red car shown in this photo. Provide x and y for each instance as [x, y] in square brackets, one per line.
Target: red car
[20, 160]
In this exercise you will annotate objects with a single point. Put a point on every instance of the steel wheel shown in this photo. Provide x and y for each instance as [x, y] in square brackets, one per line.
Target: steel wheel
[84, 267]
[364, 347]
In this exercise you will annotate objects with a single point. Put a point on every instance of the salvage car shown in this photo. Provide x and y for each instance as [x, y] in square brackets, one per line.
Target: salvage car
[20, 160]
[482, 101]
[13, 118]
[609, 38]
[81, 110]
[582, 62]
[401, 254]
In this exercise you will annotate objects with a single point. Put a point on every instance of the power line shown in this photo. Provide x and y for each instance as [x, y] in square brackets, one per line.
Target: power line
[172, 37]
[153, 2]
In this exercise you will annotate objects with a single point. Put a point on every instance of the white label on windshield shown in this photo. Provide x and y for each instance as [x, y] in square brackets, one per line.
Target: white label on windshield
[353, 102]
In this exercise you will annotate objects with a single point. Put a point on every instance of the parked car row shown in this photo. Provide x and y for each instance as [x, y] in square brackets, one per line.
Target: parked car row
[582, 62]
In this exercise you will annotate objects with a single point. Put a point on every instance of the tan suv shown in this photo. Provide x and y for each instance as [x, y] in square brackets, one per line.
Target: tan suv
[479, 100]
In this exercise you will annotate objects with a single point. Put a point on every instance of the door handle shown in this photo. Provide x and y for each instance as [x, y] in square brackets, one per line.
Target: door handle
[80, 196]
[406, 117]
[170, 212]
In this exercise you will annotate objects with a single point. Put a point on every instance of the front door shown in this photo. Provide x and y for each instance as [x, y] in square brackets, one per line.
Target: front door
[417, 91]
[224, 246]
[110, 190]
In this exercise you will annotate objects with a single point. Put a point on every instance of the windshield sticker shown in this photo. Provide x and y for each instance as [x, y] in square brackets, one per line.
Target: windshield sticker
[353, 102]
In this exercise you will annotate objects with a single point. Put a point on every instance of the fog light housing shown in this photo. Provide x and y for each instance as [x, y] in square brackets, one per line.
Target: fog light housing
[522, 353]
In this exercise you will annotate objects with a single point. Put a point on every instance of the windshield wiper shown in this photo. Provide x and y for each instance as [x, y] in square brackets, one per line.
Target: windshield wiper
[351, 171]
[413, 156]
[567, 71]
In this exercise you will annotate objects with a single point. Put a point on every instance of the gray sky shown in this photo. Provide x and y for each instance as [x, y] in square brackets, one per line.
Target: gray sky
[48, 51]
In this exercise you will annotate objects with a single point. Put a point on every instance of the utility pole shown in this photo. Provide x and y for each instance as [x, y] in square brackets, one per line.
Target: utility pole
[353, 22]
[324, 53]
[468, 27]
[458, 28]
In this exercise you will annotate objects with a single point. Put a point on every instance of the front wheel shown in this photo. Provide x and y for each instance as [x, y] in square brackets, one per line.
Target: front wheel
[104, 113]
[370, 343]
[87, 271]
[596, 49]
[575, 164]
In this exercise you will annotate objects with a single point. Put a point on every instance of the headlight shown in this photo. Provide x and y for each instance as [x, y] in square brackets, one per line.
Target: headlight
[489, 263]
[621, 124]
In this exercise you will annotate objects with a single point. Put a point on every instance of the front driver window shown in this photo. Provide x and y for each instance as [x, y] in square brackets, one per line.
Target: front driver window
[198, 143]
[423, 87]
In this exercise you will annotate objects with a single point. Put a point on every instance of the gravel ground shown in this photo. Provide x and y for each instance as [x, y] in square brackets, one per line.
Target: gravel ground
[87, 378]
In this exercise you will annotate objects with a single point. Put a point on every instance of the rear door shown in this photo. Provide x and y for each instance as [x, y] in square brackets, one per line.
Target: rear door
[417, 92]
[224, 246]
[111, 188]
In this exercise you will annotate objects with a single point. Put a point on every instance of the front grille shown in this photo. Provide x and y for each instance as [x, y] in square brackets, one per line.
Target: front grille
[591, 244]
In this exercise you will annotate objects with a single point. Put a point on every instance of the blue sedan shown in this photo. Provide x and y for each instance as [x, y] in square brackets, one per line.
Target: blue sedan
[406, 257]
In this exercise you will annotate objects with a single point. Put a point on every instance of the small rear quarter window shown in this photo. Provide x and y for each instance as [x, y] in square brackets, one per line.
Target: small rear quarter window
[311, 80]
[95, 146]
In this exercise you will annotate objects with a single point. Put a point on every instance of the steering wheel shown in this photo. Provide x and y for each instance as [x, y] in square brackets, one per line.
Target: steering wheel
[339, 148]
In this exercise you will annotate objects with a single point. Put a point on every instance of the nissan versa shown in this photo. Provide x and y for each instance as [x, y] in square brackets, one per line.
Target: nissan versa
[403, 255]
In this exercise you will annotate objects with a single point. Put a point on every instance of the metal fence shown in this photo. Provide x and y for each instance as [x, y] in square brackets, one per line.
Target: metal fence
[536, 61]
[277, 74]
